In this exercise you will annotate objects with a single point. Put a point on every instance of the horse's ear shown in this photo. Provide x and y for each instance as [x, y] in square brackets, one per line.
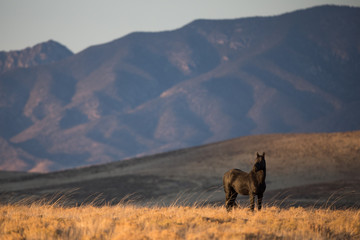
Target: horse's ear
[263, 154]
[257, 154]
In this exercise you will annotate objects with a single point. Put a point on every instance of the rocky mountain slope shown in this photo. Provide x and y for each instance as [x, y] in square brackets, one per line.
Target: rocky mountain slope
[43, 53]
[208, 81]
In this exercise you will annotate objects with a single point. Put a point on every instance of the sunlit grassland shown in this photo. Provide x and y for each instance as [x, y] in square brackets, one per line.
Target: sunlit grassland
[126, 221]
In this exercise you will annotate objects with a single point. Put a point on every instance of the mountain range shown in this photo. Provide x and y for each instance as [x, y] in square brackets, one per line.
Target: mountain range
[208, 81]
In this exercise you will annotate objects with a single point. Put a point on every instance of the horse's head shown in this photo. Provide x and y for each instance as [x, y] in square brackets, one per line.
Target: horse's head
[260, 163]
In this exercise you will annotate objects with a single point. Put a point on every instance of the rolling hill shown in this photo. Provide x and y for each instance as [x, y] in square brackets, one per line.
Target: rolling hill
[302, 169]
[208, 81]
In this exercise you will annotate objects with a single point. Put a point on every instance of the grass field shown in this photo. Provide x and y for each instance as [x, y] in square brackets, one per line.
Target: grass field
[126, 221]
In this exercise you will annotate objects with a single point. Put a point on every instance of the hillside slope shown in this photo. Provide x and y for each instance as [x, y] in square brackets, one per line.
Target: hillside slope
[306, 168]
[208, 81]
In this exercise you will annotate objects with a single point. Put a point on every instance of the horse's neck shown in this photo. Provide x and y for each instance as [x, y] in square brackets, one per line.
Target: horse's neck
[260, 175]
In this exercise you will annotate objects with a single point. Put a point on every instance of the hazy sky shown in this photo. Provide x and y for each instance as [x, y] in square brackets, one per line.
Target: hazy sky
[81, 23]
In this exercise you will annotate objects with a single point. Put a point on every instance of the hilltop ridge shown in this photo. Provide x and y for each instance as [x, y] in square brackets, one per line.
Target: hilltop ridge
[305, 169]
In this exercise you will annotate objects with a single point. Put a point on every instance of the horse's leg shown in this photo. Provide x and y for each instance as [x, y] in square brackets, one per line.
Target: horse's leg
[260, 197]
[230, 195]
[227, 197]
[252, 203]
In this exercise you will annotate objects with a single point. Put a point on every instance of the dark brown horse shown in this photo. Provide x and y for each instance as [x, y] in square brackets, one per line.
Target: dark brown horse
[239, 182]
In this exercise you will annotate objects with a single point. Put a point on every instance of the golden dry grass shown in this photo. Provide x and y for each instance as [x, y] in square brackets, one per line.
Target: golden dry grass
[125, 221]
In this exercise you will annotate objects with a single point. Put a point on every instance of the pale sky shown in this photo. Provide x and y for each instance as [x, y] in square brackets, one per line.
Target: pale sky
[79, 24]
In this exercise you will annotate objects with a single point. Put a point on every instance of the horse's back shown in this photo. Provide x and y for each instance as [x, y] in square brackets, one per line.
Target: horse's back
[233, 174]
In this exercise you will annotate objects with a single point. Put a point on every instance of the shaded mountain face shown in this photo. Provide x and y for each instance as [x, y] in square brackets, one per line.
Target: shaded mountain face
[43, 53]
[208, 81]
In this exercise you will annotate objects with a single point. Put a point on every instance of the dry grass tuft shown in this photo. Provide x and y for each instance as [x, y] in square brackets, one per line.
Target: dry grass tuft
[126, 221]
